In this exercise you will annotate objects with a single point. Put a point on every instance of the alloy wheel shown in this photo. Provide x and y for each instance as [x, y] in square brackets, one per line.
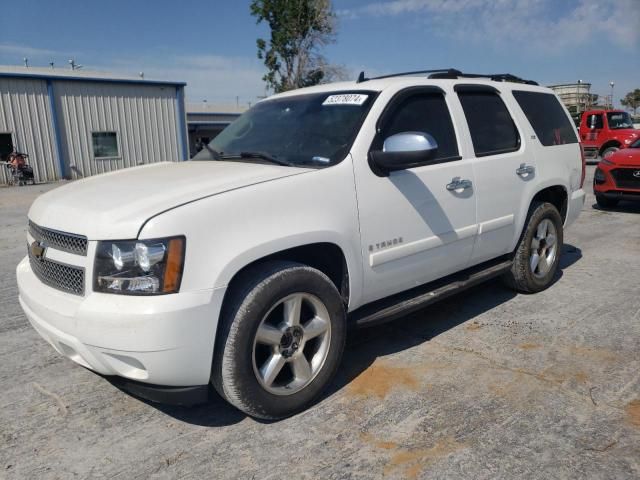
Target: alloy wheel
[291, 344]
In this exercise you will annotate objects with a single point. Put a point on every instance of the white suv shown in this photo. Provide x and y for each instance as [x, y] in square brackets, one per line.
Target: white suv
[321, 208]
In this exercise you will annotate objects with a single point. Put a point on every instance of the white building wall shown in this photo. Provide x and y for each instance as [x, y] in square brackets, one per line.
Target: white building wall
[144, 117]
[25, 113]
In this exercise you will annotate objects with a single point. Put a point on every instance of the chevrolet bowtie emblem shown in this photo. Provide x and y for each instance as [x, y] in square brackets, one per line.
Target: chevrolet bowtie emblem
[37, 250]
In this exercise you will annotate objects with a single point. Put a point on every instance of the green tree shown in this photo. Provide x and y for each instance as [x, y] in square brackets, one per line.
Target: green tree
[632, 100]
[299, 30]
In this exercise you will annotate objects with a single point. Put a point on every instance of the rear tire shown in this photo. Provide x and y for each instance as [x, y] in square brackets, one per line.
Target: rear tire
[605, 202]
[280, 340]
[537, 255]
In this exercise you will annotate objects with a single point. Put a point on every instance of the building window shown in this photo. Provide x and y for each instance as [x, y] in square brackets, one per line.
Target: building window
[105, 144]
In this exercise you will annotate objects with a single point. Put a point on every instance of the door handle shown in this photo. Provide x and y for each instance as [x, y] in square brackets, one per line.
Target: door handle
[459, 184]
[523, 170]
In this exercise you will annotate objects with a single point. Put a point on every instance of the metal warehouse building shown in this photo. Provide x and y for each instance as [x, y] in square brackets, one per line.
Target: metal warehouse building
[205, 122]
[75, 123]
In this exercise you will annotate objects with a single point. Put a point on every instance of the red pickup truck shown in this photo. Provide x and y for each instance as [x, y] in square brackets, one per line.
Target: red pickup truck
[603, 132]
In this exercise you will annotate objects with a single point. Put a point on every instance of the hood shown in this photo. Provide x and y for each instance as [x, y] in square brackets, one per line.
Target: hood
[626, 157]
[115, 205]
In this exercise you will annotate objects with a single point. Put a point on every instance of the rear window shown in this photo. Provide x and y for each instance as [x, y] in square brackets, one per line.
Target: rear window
[547, 117]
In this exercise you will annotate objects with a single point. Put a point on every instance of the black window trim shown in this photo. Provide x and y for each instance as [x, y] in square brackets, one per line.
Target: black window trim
[473, 88]
[392, 105]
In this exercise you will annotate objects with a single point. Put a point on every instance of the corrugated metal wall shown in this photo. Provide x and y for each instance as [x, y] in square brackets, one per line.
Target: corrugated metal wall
[25, 113]
[144, 117]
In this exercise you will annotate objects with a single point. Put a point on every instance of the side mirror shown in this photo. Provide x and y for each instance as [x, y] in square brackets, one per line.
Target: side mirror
[404, 150]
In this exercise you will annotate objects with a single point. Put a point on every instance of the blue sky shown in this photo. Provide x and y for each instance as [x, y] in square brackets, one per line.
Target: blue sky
[211, 44]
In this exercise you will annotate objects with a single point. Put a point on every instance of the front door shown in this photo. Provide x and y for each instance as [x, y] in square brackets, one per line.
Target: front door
[414, 226]
[595, 124]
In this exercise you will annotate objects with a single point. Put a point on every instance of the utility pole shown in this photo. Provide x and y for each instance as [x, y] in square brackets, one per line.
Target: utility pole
[612, 83]
[578, 93]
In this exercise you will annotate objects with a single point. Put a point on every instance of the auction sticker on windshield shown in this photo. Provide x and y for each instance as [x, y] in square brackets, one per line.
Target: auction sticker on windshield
[346, 99]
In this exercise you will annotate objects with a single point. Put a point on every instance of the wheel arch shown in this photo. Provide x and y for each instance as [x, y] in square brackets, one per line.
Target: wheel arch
[557, 195]
[610, 143]
[326, 256]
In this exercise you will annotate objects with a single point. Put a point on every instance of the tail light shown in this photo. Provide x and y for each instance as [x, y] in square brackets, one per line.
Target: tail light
[584, 166]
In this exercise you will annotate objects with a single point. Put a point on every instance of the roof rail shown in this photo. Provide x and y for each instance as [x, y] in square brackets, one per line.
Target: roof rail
[449, 71]
[496, 77]
[452, 73]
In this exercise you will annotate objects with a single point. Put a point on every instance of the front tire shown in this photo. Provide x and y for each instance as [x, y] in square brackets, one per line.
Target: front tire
[537, 255]
[609, 150]
[280, 340]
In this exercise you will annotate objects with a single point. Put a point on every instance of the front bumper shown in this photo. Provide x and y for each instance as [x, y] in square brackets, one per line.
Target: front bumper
[163, 340]
[607, 186]
[622, 195]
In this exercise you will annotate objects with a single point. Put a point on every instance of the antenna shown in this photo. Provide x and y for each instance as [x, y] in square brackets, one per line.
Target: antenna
[26, 62]
[361, 78]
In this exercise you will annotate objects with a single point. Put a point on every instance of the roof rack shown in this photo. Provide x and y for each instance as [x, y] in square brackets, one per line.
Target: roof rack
[452, 73]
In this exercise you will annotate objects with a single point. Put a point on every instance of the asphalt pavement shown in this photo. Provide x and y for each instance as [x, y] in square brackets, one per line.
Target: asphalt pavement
[487, 384]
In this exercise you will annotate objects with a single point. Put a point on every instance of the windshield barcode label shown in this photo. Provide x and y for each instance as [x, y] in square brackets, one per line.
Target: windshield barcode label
[346, 99]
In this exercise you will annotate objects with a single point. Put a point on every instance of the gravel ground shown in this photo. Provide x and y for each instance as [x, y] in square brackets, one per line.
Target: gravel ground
[487, 384]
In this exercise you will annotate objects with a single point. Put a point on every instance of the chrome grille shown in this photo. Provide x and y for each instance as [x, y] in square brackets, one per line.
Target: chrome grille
[58, 275]
[68, 242]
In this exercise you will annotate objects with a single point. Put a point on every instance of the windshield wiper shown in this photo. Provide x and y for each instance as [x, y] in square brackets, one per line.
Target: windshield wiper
[214, 154]
[260, 155]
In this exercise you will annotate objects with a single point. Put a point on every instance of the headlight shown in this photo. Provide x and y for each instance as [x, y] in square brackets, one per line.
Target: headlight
[139, 267]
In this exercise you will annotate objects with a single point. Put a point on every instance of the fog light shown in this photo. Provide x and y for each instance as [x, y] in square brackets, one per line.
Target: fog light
[599, 177]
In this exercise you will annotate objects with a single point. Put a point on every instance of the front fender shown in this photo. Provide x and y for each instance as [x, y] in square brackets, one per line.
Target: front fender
[229, 231]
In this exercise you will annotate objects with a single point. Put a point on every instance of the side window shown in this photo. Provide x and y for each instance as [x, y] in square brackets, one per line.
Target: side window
[547, 117]
[492, 128]
[595, 121]
[427, 113]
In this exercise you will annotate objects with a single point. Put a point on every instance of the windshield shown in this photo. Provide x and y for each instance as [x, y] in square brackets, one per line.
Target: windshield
[618, 120]
[635, 144]
[314, 130]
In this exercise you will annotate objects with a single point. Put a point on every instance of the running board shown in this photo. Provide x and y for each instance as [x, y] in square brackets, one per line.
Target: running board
[402, 304]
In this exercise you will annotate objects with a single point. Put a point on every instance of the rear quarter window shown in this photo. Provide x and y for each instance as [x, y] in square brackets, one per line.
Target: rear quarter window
[547, 117]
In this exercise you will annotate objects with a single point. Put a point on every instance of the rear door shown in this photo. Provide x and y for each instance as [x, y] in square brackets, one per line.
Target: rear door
[503, 170]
